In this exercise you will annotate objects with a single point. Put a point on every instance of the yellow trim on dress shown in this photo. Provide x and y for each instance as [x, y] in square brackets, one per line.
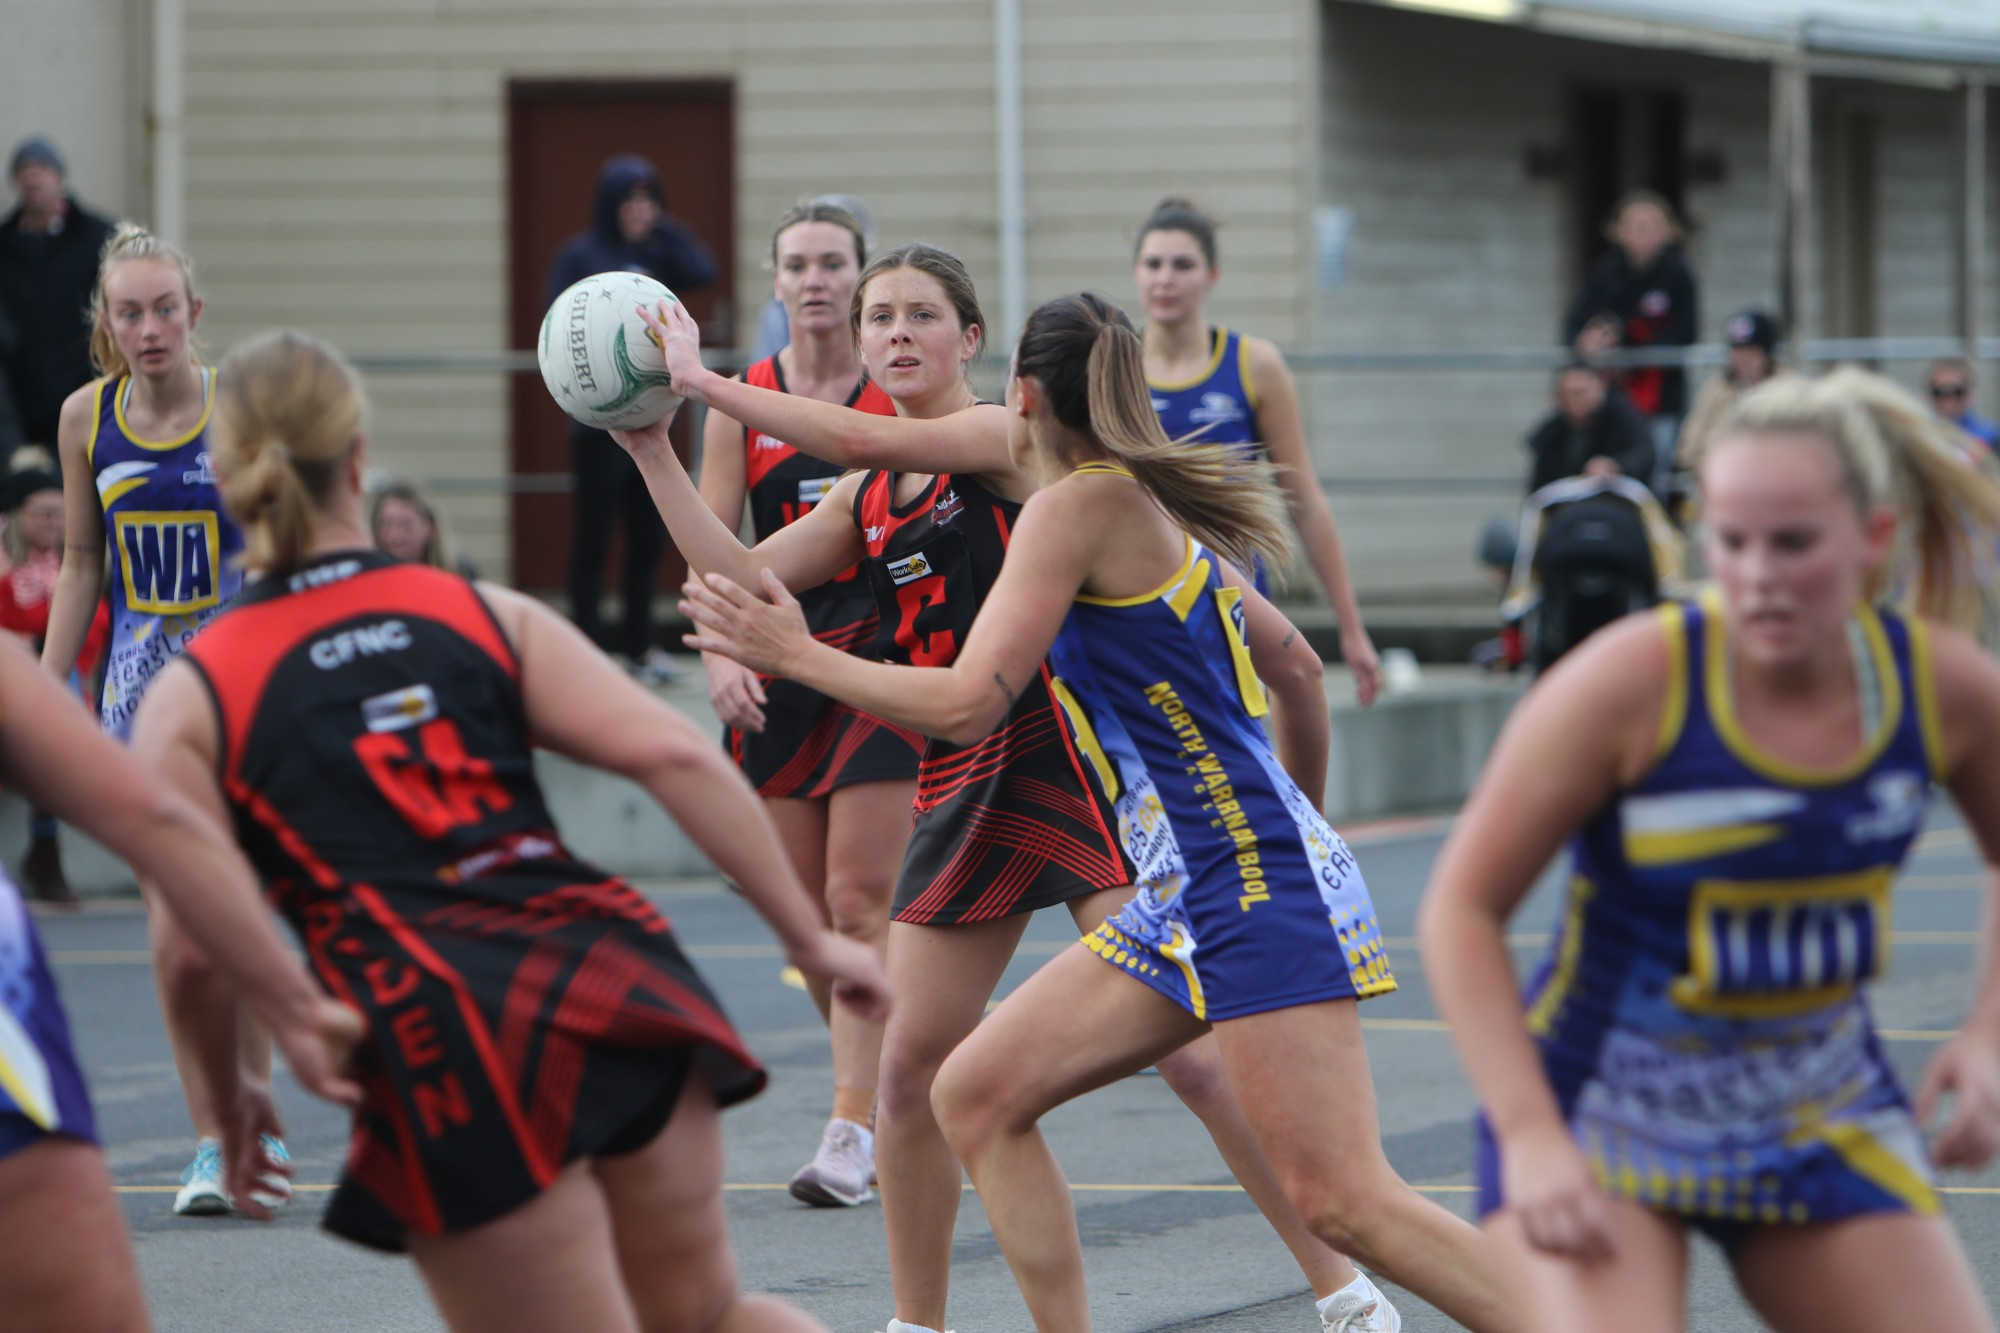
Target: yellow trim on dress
[1187, 568]
[1569, 957]
[1722, 708]
[96, 419]
[1930, 721]
[1208, 372]
[1873, 1160]
[1181, 950]
[1679, 846]
[1243, 374]
[1086, 736]
[161, 446]
[1673, 709]
[1252, 689]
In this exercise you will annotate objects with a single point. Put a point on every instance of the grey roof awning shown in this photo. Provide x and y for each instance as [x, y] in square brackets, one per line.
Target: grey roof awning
[1960, 34]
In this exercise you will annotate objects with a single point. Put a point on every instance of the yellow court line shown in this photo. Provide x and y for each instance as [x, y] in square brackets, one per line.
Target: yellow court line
[771, 1187]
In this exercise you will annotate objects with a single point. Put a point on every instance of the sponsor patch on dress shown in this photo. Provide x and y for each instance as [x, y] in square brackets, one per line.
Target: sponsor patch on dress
[408, 707]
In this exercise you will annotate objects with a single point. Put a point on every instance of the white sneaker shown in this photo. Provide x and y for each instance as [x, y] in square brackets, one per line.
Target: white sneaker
[840, 1173]
[1359, 1307]
[657, 667]
[898, 1326]
[274, 1187]
[201, 1193]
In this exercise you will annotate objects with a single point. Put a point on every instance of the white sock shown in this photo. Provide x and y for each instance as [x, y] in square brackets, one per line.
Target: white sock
[1361, 1287]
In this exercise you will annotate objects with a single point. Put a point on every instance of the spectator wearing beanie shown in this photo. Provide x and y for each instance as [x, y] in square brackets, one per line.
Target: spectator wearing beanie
[49, 247]
[1753, 337]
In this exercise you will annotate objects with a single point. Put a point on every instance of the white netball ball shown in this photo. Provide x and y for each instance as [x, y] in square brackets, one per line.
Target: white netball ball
[598, 357]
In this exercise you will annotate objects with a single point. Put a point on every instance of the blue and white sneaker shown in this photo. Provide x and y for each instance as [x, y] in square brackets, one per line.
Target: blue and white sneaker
[275, 1187]
[201, 1193]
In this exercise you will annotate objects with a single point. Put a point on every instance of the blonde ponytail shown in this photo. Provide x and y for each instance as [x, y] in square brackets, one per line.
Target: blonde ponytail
[129, 242]
[1893, 452]
[288, 412]
[1090, 361]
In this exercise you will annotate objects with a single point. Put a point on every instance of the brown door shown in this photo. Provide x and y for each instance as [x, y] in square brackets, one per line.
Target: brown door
[558, 134]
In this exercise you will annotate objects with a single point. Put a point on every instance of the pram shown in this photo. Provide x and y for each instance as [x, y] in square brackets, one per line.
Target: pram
[1591, 549]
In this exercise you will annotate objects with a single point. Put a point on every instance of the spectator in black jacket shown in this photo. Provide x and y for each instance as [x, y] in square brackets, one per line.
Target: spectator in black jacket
[1641, 294]
[630, 230]
[1591, 432]
[49, 246]
[11, 434]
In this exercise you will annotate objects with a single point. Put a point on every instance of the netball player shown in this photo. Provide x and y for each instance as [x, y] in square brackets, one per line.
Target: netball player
[1224, 387]
[1251, 919]
[1005, 825]
[837, 783]
[542, 1068]
[67, 1264]
[137, 479]
[1739, 779]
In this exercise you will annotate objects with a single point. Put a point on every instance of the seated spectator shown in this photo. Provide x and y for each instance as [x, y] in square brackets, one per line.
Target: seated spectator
[1753, 337]
[1592, 432]
[31, 498]
[1951, 398]
[405, 525]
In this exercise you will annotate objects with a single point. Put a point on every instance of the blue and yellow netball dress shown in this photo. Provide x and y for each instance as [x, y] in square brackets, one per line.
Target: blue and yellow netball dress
[1701, 1016]
[174, 553]
[41, 1085]
[1218, 406]
[1247, 900]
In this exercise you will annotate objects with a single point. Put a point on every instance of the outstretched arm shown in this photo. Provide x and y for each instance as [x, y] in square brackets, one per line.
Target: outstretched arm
[972, 441]
[1582, 732]
[1284, 436]
[1047, 559]
[733, 690]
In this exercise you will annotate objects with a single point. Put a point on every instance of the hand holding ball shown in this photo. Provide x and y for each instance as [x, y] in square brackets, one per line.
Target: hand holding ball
[598, 358]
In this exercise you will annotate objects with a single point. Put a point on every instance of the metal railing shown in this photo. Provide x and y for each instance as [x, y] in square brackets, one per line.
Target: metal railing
[1810, 352]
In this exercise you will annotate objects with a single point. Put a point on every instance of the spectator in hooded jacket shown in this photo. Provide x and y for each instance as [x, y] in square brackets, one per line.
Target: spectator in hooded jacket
[1641, 294]
[49, 248]
[631, 231]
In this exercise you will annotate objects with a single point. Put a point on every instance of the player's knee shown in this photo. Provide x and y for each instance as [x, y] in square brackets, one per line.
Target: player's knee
[1196, 1075]
[909, 1068]
[1348, 1214]
[858, 906]
[697, 1290]
[970, 1104]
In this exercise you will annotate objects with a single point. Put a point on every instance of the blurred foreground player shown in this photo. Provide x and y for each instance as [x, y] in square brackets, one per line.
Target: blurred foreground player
[540, 1083]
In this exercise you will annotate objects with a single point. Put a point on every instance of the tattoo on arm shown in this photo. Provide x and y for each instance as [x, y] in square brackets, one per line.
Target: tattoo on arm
[1288, 639]
[1001, 681]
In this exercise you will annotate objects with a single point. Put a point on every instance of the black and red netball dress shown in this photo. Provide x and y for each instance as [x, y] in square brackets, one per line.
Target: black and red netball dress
[1016, 821]
[812, 745]
[524, 1009]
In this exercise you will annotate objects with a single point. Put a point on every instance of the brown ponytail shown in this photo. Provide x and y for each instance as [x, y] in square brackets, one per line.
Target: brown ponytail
[1893, 452]
[288, 413]
[1089, 360]
[131, 242]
